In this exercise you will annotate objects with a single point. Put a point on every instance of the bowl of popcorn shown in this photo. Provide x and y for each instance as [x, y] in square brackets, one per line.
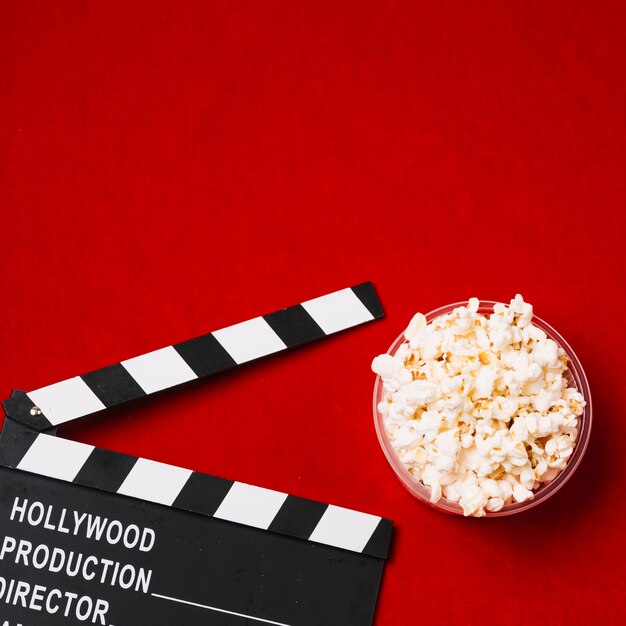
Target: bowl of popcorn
[481, 408]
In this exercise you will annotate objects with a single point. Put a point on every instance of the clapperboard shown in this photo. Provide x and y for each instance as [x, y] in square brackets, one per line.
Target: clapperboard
[90, 536]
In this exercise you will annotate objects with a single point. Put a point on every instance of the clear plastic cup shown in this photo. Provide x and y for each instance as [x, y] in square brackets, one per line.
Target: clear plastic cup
[575, 376]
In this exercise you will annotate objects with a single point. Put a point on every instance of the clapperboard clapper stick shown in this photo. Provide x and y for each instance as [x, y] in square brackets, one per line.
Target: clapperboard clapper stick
[90, 536]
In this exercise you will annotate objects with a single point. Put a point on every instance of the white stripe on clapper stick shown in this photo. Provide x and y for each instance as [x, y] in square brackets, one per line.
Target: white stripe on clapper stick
[213, 608]
[55, 457]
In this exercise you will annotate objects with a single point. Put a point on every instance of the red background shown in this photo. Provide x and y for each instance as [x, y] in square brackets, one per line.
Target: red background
[169, 168]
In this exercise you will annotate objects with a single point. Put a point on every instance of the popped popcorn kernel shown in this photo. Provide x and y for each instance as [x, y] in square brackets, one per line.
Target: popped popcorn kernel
[477, 406]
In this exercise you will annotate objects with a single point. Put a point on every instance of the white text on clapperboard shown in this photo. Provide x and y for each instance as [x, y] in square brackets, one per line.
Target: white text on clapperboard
[69, 563]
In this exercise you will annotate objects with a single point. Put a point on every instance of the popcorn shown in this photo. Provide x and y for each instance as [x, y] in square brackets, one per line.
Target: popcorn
[473, 499]
[485, 380]
[386, 366]
[477, 406]
[521, 494]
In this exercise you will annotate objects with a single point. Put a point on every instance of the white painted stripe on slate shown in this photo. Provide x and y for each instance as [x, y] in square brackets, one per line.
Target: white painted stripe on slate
[66, 400]
[55, 457]
[249, 340]
[154, 481]
[159, 369]
[253, 506]
[337, 311]
[344, 528]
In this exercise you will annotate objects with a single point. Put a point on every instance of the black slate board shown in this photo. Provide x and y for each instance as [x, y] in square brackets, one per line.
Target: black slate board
[197, 559]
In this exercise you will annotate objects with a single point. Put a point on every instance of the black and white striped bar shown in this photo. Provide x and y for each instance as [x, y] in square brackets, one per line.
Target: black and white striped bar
[82, 464]
[223, 349]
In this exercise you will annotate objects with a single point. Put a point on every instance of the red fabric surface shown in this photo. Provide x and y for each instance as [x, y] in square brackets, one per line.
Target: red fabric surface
[169, 168]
